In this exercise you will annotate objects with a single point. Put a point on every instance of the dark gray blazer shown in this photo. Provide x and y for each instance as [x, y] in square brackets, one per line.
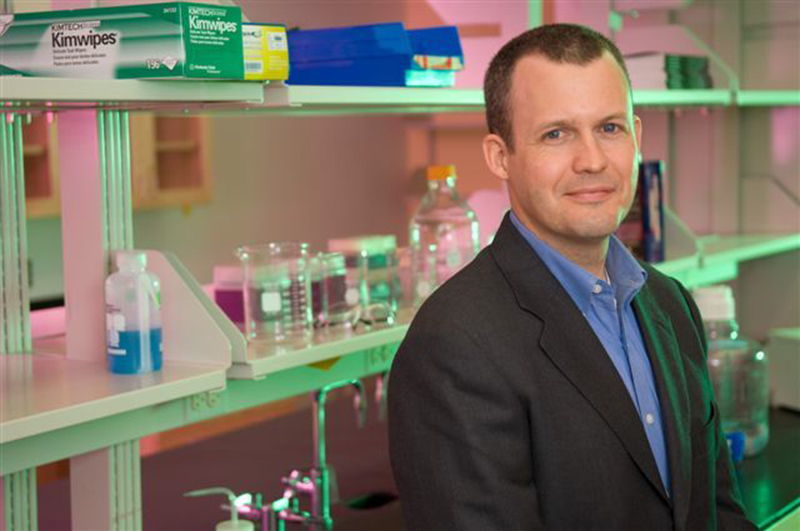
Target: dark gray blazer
[506, 413]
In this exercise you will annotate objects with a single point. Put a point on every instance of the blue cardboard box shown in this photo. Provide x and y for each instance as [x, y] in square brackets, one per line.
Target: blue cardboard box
[437, 57]
[370, 55]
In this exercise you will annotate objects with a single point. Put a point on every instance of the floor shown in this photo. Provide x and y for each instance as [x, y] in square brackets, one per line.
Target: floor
[253, 460]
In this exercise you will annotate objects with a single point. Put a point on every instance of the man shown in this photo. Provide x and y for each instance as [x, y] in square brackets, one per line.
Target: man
[556, 383]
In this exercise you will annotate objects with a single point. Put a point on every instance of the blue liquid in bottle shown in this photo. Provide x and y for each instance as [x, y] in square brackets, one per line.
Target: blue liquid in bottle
[127, 357]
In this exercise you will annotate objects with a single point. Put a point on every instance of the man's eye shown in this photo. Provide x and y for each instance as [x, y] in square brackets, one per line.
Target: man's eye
[553, 135]
[611, 128]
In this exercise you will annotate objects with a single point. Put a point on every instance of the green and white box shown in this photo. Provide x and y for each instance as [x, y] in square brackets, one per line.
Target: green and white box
[170, 40]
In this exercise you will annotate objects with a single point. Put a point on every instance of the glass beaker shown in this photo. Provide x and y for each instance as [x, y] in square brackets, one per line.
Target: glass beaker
[371, 275]
[277, 293]
[340, 310]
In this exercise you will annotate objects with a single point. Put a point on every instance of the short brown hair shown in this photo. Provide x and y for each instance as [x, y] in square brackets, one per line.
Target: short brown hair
[560, 43]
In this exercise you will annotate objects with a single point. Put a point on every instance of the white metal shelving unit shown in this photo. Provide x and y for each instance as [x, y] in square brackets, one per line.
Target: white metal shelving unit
[47, 394]
[58, 406]
[718, 257]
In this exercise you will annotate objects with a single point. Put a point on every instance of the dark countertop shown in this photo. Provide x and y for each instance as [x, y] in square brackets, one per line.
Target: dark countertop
[770, 482]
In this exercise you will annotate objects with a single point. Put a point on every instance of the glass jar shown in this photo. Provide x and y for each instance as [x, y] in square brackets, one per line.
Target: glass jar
[444, 234]
[738, 370]
[331, 305]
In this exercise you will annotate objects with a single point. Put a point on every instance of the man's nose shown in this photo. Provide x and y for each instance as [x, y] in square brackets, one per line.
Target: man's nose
[590, 157]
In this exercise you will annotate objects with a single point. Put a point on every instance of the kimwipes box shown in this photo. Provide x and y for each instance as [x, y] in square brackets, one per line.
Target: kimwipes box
[169, 40]
[266, 52]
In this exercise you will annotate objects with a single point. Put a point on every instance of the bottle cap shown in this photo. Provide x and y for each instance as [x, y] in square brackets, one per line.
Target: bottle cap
[131, 258]
[716, 303]
[439, 173]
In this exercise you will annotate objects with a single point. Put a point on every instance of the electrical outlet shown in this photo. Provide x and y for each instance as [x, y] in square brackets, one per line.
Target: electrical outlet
[198, 401]
[204, 405]
[380, 358]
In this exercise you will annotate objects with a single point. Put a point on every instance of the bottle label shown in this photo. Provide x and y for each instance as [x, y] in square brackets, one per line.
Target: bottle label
[351, 296]
[736, 445]
[453, 259]
[270, 302]
[115, 323]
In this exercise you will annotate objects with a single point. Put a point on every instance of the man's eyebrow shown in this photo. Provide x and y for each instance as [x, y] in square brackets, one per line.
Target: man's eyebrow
[616, 116]
[562, 124]
[556, 124]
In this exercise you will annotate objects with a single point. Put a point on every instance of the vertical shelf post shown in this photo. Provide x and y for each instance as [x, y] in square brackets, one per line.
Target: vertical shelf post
[96, 220]
[115, 473]
[18, 490]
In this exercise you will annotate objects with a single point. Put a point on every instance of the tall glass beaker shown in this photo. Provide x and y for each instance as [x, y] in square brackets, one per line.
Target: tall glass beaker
[277, 293]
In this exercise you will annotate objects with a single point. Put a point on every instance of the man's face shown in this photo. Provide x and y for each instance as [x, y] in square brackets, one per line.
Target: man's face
[573, 170]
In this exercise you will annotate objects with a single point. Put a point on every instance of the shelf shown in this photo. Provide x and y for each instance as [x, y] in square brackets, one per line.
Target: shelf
[34, 150]
[768, 98]
[176, 146]
[682, 98]
[719, 257]
[348, 100]
[46, 94]
[325, 348]
[321, 100]
[46, 392]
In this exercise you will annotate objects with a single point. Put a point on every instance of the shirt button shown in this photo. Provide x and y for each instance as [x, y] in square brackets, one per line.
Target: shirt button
[649, 418]
[597, 288]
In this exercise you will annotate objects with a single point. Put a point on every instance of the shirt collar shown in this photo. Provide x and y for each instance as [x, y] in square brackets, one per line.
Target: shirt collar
[627, 276]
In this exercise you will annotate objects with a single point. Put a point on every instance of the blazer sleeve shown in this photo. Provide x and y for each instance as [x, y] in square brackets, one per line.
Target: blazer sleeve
[459, 449]
[730, 510]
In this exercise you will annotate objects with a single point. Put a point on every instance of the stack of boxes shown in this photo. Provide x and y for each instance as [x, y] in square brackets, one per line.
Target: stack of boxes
[180, 40]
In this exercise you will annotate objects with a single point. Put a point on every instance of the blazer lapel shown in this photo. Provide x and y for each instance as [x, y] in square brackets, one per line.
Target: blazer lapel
[571, 344]
[665, 358]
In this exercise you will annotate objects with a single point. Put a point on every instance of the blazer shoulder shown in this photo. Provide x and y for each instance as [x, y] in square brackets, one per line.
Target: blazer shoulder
[457, 310]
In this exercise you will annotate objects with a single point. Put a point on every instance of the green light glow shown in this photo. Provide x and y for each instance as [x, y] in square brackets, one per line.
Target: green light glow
[760, 355]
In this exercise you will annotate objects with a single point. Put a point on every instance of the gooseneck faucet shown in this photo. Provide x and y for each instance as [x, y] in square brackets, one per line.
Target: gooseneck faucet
[316, 483]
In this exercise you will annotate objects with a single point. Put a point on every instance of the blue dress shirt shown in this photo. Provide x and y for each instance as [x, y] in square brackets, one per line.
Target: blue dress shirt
[607, 308]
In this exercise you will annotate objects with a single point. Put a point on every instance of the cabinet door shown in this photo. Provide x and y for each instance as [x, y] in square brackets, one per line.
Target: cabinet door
[40, 154]
[144, 166]
[170, 161]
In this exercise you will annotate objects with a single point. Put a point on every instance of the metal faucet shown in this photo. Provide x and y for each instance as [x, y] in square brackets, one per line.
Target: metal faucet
[315, 483]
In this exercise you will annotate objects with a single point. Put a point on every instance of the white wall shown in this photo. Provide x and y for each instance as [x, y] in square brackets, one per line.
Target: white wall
[276, 178]
[307, 179]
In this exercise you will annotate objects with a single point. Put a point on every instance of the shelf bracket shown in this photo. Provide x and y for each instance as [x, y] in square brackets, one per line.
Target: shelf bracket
[96, 218]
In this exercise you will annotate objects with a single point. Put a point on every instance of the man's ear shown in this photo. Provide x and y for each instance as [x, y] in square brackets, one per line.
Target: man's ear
[495, 152]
